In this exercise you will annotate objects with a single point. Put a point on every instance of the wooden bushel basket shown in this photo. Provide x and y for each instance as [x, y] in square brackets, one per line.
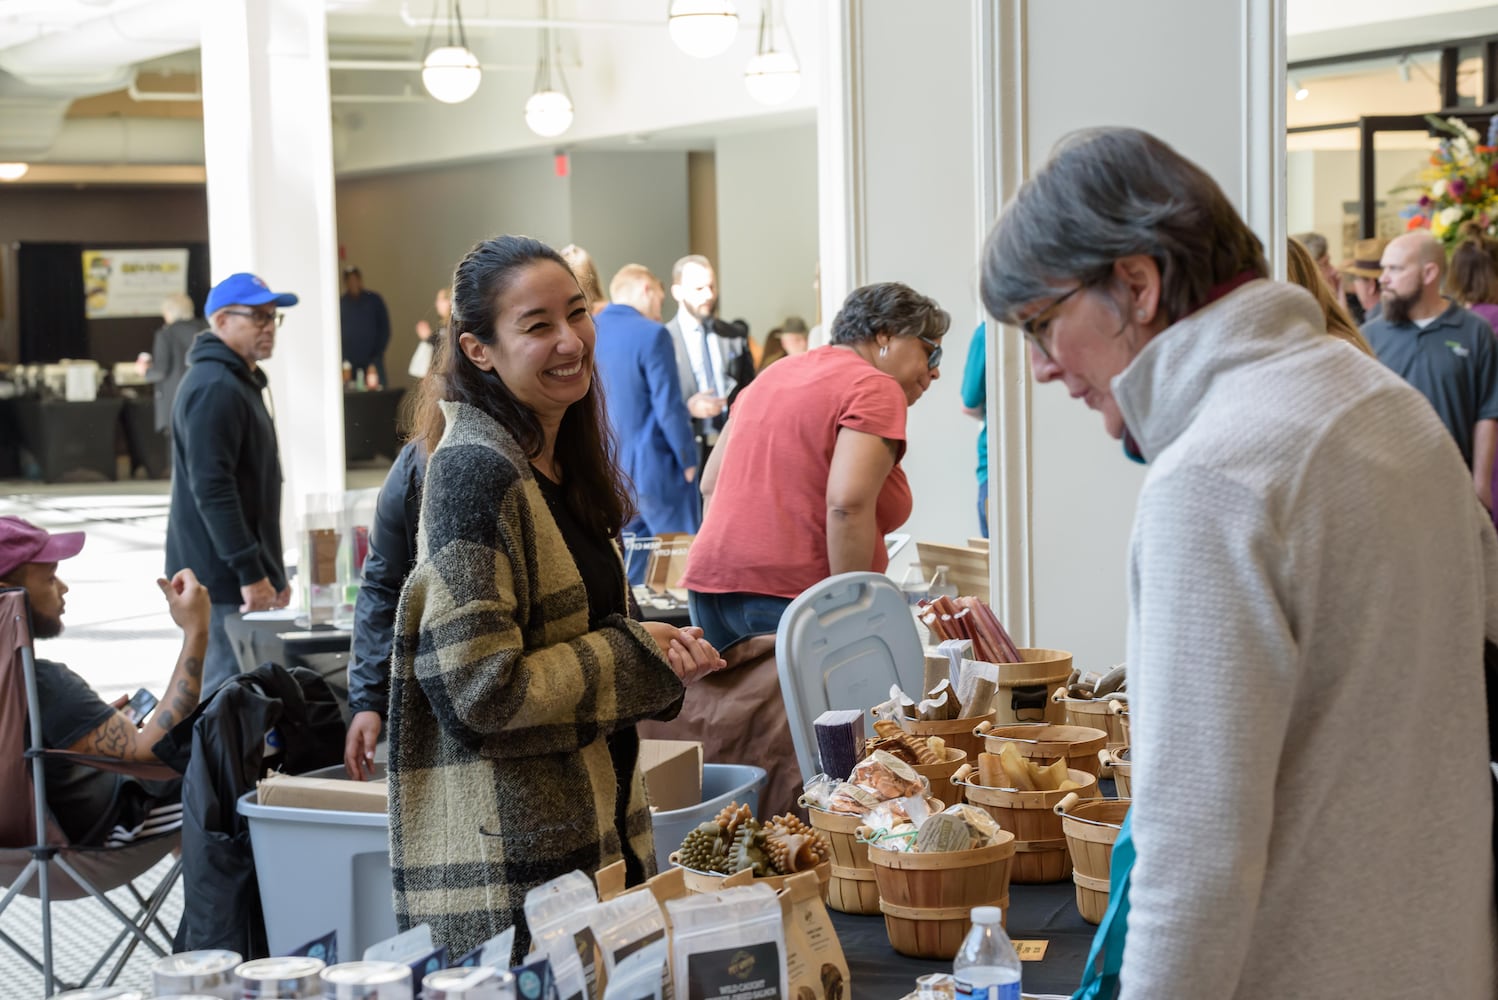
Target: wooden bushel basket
[851, 887]
[1091, 827]
[957, 733]
[705, 882]
[928, 899]
[1043, 744]
[1123, 765]
[1106, 714]
[938, 774]
[1023, 692]
[1040, 852]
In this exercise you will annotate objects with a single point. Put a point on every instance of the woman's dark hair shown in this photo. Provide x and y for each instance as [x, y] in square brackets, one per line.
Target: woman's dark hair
[1472, 276]
[596, 492]
[1109, 193]
[887, 307]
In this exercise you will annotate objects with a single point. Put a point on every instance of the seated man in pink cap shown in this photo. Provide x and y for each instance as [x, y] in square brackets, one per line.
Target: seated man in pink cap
[92, 806]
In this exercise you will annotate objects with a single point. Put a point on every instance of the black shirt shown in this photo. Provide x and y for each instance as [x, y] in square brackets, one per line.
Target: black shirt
[81, 799]
[597, 560]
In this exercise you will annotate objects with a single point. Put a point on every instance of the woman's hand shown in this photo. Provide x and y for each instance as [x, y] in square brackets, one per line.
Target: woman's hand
[690, 656]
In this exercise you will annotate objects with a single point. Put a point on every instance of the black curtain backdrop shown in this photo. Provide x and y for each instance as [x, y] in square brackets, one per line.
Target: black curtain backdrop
[50, 292]
[50, 302]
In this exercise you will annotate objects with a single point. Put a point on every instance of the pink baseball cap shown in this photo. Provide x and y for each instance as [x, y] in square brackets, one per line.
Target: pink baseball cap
[22, 542]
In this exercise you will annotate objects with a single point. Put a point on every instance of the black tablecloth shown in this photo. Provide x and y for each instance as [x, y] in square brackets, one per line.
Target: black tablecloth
[1036, 913]
[148, 446]
[61, 437]
[371, 424]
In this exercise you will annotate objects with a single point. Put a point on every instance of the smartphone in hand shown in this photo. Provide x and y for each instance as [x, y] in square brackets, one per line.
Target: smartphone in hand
[139, 706]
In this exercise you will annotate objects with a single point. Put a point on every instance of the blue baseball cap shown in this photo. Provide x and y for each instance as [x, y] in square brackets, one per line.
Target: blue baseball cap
[244, 289]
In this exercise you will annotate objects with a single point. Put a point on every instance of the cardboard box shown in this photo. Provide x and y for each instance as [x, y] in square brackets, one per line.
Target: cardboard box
[323, 793]
[673, 773]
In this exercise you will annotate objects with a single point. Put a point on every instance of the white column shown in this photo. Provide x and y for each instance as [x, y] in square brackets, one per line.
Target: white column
[269, 156]
[1203, 77]
[931, 115]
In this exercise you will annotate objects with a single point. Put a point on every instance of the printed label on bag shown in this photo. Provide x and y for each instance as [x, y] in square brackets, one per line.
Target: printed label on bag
[748, 973]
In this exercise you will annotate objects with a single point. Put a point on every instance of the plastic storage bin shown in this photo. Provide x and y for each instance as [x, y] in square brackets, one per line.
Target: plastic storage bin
[326, 869]
[721, 784]
[321, 870]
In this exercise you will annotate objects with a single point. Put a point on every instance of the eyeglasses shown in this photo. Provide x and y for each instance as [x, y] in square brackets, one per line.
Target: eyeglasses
[934, 358]
[1038, 331]
[259, 318]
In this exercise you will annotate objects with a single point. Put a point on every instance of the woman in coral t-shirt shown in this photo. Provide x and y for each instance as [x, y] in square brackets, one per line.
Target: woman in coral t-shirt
[805, 479]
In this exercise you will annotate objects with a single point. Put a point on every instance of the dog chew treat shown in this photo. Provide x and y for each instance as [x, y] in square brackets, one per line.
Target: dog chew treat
[979, 699]
[905, 705]
[938, 669]
[839, 737]
[935, 709]
[954, 704]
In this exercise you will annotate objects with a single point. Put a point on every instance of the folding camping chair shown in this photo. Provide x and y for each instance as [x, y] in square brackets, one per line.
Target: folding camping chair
[35, 856]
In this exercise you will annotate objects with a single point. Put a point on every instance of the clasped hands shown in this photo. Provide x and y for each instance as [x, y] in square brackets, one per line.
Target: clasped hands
[690, 656]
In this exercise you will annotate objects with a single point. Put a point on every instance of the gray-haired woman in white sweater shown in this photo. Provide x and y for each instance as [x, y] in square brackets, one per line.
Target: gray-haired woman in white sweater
[1311, 580]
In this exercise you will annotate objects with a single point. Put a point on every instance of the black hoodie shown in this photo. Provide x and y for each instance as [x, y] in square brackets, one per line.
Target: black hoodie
[225, 522]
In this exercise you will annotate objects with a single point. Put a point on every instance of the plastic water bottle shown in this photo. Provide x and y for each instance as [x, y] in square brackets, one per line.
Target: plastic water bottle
[986, 967]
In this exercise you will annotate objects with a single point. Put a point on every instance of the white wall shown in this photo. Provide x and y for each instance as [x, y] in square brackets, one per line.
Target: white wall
[630, 208]
[767, 226]
[406, 231]
[1179, 75]
[902, 209]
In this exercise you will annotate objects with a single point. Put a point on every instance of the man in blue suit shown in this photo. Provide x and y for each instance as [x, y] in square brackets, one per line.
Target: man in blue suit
[657, 448]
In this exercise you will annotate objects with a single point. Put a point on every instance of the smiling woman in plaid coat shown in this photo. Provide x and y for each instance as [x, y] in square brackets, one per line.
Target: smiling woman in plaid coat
[517, 679]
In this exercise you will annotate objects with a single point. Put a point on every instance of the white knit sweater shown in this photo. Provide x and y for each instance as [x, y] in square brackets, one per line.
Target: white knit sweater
[1311, 578]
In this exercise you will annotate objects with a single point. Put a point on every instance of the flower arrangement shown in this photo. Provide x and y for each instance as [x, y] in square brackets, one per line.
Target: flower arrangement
[1462, 191]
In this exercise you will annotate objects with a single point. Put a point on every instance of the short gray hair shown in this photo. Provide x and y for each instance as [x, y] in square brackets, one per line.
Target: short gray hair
[177, 307]
[1313, 242]
[1110, 193]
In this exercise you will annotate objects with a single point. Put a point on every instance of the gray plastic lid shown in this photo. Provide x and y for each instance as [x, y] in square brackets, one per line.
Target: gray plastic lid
[987, 915]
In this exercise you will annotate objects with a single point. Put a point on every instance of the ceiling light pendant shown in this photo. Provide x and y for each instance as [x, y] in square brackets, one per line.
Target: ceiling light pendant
[548, 111]
[1299, 89]
[702, 28]
[773, 75]
[13, 171]
[451, 72]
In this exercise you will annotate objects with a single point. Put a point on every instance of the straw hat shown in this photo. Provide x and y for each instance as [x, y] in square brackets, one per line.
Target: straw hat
[1366, 258]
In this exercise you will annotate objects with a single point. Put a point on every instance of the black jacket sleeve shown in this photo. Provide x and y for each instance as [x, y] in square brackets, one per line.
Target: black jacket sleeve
[392, 552]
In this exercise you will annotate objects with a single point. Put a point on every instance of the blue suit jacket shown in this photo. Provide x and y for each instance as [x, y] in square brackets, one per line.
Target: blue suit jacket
[638, 366]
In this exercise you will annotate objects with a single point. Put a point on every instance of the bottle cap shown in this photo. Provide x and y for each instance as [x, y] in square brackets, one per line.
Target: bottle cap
[987, 915]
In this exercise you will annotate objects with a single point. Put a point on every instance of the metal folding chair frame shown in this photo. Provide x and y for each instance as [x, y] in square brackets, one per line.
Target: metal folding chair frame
[134, 930]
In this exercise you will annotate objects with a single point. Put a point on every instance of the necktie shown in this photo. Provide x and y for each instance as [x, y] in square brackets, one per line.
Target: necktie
[707, 361]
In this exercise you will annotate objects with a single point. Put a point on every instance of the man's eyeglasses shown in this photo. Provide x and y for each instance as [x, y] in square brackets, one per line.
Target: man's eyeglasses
[259, 318]
[1037, 328]
[934, 358]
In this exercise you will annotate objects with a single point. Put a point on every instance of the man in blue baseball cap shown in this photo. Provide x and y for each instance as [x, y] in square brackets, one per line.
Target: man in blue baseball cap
[225, 520]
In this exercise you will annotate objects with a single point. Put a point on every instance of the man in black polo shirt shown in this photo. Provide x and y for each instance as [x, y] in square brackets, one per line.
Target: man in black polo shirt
[1443, 350]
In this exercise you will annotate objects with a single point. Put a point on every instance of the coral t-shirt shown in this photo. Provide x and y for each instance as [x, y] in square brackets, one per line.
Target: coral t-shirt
[766, 527]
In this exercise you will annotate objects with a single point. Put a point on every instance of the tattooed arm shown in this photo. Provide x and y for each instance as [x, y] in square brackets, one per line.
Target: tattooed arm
[117, 736]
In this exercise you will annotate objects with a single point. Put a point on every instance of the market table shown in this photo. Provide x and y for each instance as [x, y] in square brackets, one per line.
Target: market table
[148, 446]
[371, 424]
[61, 436]
[1036, 913]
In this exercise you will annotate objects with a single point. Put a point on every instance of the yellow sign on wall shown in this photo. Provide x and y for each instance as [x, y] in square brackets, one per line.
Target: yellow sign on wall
[131, 282]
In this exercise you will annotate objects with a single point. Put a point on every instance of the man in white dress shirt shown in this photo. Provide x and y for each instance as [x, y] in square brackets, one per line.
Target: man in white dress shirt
[712, 355]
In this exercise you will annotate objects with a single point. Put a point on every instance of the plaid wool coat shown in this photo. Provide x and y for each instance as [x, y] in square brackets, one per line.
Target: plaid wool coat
[513, 754]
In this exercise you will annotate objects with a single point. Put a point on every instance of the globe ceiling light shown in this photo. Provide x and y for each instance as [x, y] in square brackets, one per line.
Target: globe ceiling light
[703, 28]
[451, 74]
[548, 113]
[773, 75]
[13, 171]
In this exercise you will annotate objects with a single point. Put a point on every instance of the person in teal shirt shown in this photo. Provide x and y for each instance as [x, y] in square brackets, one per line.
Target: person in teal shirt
[975, 405]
